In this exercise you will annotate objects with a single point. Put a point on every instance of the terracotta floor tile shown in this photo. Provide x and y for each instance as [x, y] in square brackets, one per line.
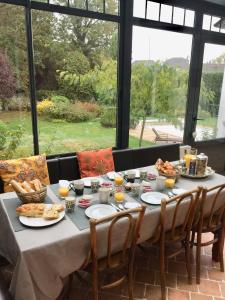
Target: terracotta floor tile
[181, 257]
[153, 292]
[209, 287]
[215, 274]
[195, 296]
[174, 294]
[182, 284]
[145, 276]
[171, 279]
[177, 268]
[222, 287]
[218, 298]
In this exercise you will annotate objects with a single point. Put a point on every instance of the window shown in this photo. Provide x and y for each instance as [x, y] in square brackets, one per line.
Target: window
[211, 123]
[163, 13]
[76, 82]
[160, 72]
[15, 118]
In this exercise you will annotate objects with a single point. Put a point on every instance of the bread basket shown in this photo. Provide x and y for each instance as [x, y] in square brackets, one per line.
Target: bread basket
[33, 197]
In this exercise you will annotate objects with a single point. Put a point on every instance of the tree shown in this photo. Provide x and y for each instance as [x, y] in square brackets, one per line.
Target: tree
[7, 81]
[157, 89]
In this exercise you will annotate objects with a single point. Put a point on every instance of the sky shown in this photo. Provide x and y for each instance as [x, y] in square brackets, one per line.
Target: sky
[161, 45]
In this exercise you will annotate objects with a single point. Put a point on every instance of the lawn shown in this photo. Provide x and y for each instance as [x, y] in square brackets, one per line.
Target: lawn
[62, 137]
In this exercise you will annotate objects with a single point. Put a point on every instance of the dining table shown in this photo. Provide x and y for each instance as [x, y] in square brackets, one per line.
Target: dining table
[44, 257]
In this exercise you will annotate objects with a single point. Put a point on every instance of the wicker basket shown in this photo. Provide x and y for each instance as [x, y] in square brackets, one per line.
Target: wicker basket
[34, 197]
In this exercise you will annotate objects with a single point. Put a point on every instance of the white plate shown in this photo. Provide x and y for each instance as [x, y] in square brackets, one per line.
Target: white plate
[40, 222]
[137, 175]
[111, 175]
[153, 197]
[178, 191]
[98, 211]
[130, 205]
[87, 181]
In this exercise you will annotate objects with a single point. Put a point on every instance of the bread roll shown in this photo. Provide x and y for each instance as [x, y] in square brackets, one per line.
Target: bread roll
[27, 187]
[17, 187]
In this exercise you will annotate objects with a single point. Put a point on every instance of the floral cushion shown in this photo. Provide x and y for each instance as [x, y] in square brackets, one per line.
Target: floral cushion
[21, 169]
[95, 163]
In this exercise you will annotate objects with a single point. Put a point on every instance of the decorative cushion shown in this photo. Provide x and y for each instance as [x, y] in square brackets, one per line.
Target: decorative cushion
[95, 163]
[21, 169]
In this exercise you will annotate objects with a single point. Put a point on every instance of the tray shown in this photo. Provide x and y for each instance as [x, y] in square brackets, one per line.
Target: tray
[209, 172]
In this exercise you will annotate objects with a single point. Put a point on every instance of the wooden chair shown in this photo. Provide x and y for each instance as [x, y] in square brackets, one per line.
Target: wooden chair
[175, 225]
[163, 137]
[113, 262]
[210, 218]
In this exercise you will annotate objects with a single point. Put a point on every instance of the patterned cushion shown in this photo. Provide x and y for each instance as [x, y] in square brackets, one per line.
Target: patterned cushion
[95, 163]
[21, 169]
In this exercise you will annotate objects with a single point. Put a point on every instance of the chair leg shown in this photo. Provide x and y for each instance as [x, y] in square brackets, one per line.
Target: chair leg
[192, 238]
[198, 258]
[188, 261]
[130, 282]
[221, 246]
[162, 273]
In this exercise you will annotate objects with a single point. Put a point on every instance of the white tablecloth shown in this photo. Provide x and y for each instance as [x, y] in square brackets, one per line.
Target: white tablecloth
[43, 257]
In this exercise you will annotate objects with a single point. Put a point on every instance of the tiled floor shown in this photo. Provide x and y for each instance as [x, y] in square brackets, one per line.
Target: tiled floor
[147, 284]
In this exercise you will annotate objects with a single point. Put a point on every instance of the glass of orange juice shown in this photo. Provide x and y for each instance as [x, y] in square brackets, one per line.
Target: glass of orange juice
[119, 196]
[118, 180]
[63, 191]
[169, 183]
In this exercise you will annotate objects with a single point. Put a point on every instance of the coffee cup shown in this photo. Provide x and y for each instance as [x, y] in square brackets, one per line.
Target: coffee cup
[135, 189]
[79, 187]
[131, 176]
[104, 194]
[94, 185]
[160, 183]
[143, 174]
[70, 204]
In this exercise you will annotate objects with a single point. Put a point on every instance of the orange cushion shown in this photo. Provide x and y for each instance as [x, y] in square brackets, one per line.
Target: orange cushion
[95, 163]
[28, 168]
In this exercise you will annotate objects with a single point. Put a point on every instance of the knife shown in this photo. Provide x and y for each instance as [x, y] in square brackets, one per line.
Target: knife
[116, 207]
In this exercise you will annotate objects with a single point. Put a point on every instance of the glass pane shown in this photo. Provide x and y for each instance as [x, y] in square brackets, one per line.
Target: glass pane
[153, 11]
[216, 24]
[206, 22]
[166, 13]
[190, 18]
[15, 119]
[159, 83]
[178, 16]
[139, 8]
[212, 97]
[76, 78]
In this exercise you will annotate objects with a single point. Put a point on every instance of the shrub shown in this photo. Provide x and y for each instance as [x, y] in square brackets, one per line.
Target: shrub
[20, 103]
[108, 117]
[44, 106]
[77, 116]
[44, 94]
[3, 134]
[90, 107]
[9, 140]
[58, 98]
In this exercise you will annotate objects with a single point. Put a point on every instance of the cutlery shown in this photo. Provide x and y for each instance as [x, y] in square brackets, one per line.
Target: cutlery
[121, 207]
[116, 207]
[170, 194]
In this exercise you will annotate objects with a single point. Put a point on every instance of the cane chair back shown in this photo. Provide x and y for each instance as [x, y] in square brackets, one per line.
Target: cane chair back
[213, 219]
[132, 218]
[184, 205]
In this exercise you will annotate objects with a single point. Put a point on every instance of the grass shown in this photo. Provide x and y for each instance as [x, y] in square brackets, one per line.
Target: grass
[58, 137]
